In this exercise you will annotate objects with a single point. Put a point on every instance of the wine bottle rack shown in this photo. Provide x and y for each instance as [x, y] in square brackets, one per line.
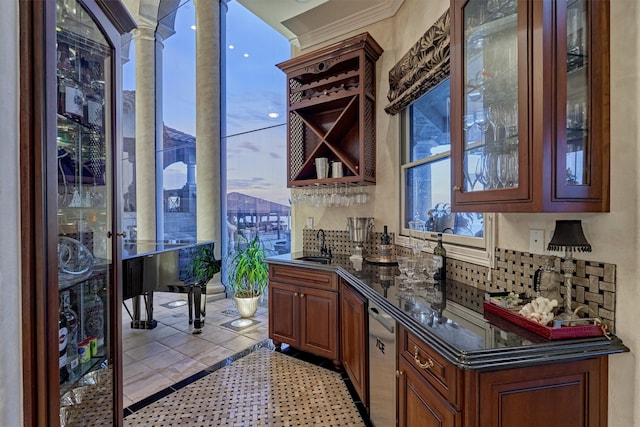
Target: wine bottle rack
[331, 111]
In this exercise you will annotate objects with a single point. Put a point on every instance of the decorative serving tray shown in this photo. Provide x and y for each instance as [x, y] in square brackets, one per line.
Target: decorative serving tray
[381, 261]
[549, 332]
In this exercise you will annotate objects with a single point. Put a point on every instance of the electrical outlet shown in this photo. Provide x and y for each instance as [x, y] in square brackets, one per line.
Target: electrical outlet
[536, 241]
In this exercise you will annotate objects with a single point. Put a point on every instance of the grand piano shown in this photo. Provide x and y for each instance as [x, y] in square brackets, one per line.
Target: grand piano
[150, 267]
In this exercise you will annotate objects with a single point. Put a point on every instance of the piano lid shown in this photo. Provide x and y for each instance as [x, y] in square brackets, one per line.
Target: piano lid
[150, 247]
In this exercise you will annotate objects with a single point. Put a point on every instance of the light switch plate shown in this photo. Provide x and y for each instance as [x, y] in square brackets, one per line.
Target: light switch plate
[536, 241]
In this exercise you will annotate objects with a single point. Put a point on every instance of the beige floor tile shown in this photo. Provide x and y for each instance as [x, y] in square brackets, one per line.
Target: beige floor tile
[218, 335]
[171, 352]
[146, 386]
[146, 350]
[214, 355]
[194, 348]
[161, 361]
[178, 339]
[183, 369]
[239, 343]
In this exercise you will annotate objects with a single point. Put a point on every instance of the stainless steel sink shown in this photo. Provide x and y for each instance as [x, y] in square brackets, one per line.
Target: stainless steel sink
[315, 258]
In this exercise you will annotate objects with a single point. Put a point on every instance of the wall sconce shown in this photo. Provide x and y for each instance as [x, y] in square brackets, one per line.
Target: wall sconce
[568, 236]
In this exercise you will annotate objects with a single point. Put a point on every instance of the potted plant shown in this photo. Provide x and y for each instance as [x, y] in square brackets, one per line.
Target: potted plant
[203, 265]
[248, 275]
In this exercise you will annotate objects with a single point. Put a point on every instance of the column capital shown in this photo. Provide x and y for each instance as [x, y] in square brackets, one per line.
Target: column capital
[146, 29]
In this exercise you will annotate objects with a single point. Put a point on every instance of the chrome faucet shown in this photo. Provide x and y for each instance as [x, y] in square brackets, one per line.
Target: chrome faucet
[324, 251]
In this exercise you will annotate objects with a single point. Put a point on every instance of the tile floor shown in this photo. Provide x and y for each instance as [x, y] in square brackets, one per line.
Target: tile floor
[263, 388]
[158, 358]
[227, 377]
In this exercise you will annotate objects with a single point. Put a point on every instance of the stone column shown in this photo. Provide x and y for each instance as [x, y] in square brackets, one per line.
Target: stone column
[145, 157]
[208, 72]
[210, 173]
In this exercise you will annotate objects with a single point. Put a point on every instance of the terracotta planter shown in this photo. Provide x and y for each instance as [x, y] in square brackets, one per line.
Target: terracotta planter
[247, 307]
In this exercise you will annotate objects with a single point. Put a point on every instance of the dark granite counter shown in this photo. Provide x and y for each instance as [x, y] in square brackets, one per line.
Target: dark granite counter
[451, 320]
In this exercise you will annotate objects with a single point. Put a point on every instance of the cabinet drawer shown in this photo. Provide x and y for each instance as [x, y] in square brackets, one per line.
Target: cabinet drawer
[304, 277]
[441, 374]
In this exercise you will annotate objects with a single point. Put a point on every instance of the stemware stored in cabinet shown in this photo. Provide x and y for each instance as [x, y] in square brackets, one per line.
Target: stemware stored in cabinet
[534, 76]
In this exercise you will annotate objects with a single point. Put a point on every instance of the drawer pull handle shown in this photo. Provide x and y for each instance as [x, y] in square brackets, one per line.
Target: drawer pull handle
[426, 365]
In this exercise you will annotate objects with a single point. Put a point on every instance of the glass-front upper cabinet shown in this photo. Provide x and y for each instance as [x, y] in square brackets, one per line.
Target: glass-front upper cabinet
[86, 140]
[529, 105]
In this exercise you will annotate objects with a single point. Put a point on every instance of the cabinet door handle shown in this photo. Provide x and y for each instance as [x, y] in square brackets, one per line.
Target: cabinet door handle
[399, 373]
[456, 188]
[295, 294]
[426, 365]
[301, 295]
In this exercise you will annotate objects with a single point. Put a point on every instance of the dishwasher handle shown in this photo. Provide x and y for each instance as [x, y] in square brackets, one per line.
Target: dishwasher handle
[374, 313]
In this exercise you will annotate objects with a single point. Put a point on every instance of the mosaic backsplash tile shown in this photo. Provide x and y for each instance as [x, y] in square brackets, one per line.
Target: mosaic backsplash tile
[594, 283]
[339, 242]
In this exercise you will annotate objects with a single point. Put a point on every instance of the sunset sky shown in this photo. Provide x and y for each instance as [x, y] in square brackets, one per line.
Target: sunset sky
[256, 143]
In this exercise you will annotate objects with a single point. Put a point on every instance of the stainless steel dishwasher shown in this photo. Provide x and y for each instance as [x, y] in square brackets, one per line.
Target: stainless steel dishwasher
[382, 367]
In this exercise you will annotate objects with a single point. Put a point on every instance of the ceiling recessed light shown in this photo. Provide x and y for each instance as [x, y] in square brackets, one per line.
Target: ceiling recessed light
[274, 115]
[193, 27]
[231, 46]
[246, 55]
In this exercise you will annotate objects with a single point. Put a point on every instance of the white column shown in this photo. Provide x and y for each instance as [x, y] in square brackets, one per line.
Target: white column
[208, 72]
[145, 157]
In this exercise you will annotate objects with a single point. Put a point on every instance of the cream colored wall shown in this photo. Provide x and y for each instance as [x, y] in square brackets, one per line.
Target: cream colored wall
[395, 40]
[613, 235]
[10, 314]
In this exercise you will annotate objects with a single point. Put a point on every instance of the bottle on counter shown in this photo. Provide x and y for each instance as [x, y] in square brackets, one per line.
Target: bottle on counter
[63, 335]
[439, 250]
[384, 251]
[72, 333]
[94, 314]
[385, 239]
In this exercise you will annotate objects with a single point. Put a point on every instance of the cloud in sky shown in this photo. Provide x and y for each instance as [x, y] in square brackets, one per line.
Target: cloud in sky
[256, 155]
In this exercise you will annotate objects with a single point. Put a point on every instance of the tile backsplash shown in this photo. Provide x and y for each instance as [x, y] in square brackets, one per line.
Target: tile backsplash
[594, 283]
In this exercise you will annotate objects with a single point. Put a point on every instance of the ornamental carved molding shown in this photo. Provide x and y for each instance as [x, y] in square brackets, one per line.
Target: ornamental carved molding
[425, 65]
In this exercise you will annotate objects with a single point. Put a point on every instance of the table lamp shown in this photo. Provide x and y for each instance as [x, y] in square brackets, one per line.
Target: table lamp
[568, 236]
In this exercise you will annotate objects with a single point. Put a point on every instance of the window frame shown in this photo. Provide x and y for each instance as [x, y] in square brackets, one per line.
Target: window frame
[464, 248]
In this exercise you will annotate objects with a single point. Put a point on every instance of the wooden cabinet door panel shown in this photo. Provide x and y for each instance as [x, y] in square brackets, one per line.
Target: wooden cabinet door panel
[353, 338]
[570, 394]
[419, 404]
[303, 277]
[319, 322]
[283, 313]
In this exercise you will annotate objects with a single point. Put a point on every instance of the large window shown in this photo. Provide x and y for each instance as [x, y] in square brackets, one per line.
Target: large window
[255, 133]
[426, 173]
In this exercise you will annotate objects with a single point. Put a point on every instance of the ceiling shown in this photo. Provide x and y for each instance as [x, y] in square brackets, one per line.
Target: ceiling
[308, 22]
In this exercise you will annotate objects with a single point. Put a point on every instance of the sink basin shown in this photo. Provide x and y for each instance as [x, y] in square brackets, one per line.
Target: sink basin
[315, 258]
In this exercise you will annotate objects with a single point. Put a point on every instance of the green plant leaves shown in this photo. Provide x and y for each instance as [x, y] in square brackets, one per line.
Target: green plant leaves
[248, 273]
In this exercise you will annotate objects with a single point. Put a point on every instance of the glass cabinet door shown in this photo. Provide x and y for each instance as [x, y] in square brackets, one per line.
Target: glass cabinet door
[577, 96]
[490, 105]
[530, 105]
[581, 87]
[84, 143]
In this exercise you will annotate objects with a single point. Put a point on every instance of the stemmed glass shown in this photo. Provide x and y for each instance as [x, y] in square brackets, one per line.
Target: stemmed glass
[431, 268]
[411, 272]
[402, 264]
[468, 122]
[416, 227]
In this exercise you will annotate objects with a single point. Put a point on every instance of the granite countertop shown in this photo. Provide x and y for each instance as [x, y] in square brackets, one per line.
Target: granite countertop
[451, 320]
